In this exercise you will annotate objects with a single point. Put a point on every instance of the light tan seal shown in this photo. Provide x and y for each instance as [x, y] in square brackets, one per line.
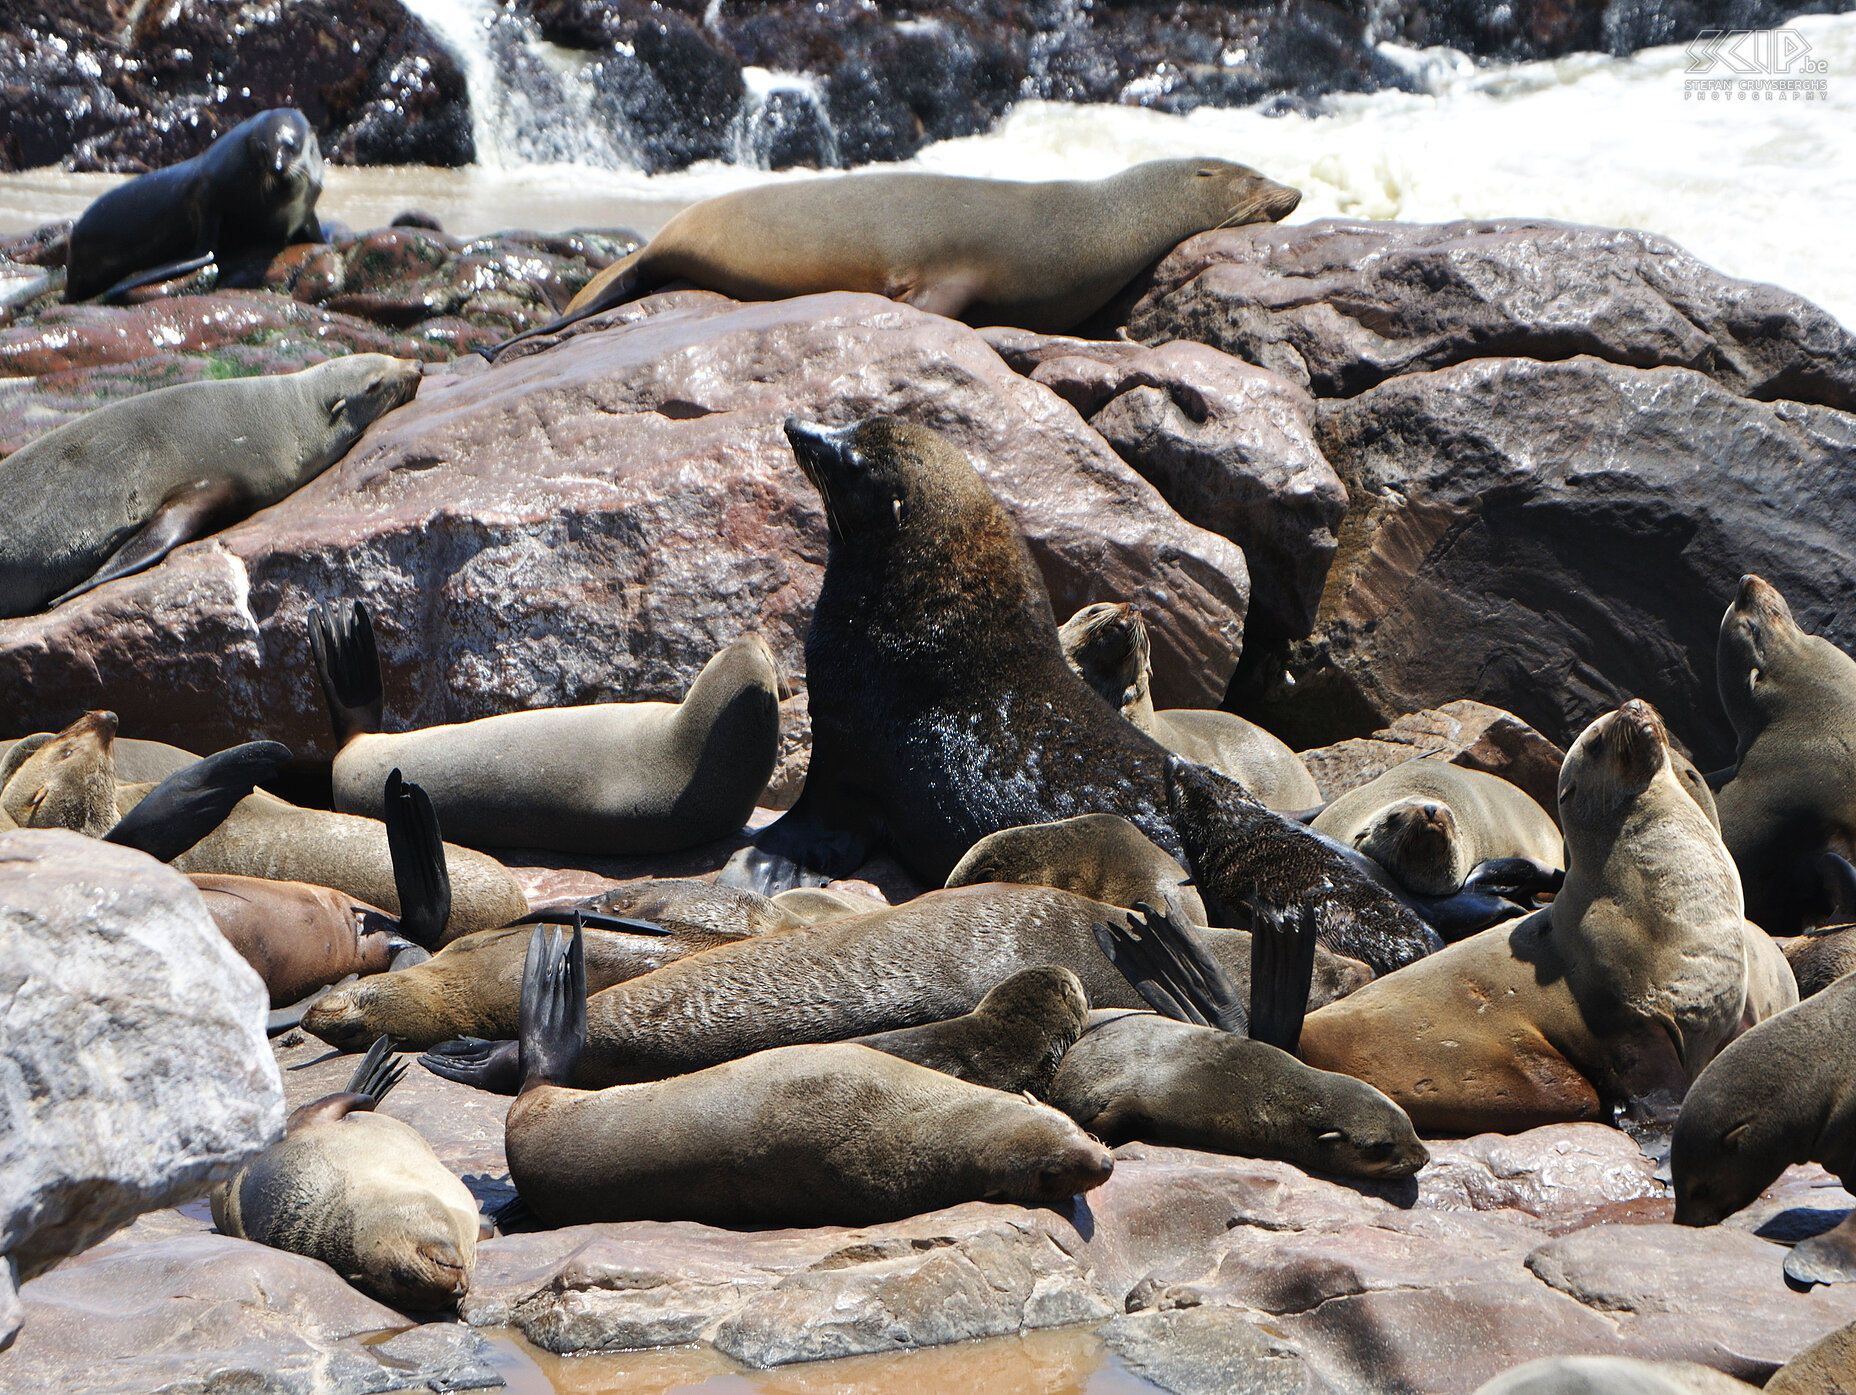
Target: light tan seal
[115, 491]
[1108, 647]
[1101, 856]
[67, 780]
[361, 1192]
[1621, 990]
[1042, 256]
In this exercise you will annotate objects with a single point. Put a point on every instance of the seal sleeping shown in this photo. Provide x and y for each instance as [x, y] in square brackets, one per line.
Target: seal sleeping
[1042, 256]
[115, 491]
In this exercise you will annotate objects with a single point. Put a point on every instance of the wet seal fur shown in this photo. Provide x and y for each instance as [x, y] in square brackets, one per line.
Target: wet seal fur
[797, 1136]
[942, 708]
[249, 194]
[361, 1192]
[1621, 990]
[1043, 256]
[115, 491]
[1012, 1041]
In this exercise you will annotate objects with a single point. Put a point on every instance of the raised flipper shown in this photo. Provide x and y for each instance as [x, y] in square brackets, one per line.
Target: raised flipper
[420, 874]
[191, 803]
[189, 512]
[348, 663]
[797, 849]
[553, 1021]
[371, 1082]
[1829, 1258]
[283, 1019]
[168, 271]
[1169, 966]
[1282, 966]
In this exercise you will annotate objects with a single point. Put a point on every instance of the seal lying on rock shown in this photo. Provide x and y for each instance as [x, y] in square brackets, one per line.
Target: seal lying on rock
[796, 1136]
[67, 780]
[115, 491]
[361, 1192]
[1107, 646]
[1096, 855]
[1012, 1041]
[609, 777]
[1043, 256]
[942, 708]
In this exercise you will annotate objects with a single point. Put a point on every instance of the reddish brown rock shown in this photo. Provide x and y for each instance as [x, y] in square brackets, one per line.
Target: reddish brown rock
[1477, 736]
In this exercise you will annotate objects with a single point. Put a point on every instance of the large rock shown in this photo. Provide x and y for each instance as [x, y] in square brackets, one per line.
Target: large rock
[1470, 734]
[134, 1069]
[1340, 305]
[594, 521]
[1206, 1351]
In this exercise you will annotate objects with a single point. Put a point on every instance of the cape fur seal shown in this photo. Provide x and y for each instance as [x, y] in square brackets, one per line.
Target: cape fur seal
[1096, 855]
[796, 1136]
[1043, 256]
[1012, 1041]
[1107, 646]
[1621, 990]
[68, 780]
[609, 778]
[942, 708]
[250, 193]
[115, 491]
[1791, 797]
[361, 1192]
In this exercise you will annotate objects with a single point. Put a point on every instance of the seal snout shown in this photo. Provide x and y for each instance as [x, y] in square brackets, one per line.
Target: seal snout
[1280, 202]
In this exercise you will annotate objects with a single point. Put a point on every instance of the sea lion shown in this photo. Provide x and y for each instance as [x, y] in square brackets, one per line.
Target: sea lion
[137, 762]
[1100, 856]
[613, 778]
[1791, 795]
[65, 781]
[1106, 644]
[249, 194]
[1613, 1375]
[1043, 256]
[942, 708]
[1012, 1041]
[796, 1136]
[1430, 823]
[361, 1192]
[1821, 957]
[1621, 990]
[1783, 1093]
[115, 491]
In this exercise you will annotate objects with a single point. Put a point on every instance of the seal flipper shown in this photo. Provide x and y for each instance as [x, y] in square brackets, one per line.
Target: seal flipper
[371, 1082]
[167, 272]
[614, 285]
[796, 849]
[1829, 1258]
[192, 802]
[492, 1066]
[189, 512]
[553, 1023]
[348, 663]
[1168, 964]
[1282, 967]
[420, 874]
[593, 920]
[1516, 878]
[1838, 879]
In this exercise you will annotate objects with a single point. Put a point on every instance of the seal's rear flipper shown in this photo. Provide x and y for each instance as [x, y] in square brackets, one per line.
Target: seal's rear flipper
[192, 511]
[348, 663]
[1829, 1258]
[419, 871]
[168, 271]
[494, 1066]
[191, 803]
[553, 1023]
[377, 1074]
[1282, 966]
[1172, 970]
[796, 849]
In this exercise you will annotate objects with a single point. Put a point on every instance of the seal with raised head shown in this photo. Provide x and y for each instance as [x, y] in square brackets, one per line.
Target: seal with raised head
[361, 1192]
[1043, 256]
[1621, 990]
[65, 780]
[613, 778]
[115, 491]
[1791, 796]
[1012, 1041]
[796, 1136]
[248, 195]
[942, 708]
[1108, 647]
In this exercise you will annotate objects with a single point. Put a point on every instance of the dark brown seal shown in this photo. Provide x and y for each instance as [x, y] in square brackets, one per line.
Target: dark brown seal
[1012, 1041]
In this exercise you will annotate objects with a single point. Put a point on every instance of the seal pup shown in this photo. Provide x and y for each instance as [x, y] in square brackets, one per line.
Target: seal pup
[797, 1136]
[1012, 1041]
[65, 781]
[361, 1192]
[249, 194]
[1620, 991]
[1100, 856]
[609, 777]
[1783, 1093]
[1791, 795]
[917, 744]
[1043, 256]
[1106, 644]
[115, 491]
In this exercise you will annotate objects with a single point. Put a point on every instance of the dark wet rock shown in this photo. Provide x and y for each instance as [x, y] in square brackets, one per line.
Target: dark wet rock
[1531, 29]
[1206, 1351]
[1475, 736]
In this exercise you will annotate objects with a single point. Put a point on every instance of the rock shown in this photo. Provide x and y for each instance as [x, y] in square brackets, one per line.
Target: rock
[134, 1069]
[1206, 1351]
[1553, 538]
[1613, 1375]
[1477, 737]
[1340, 305]
[1229, 446]
[1561, 1172]
[1826, 1367]
[210, 1313]
[592, 522]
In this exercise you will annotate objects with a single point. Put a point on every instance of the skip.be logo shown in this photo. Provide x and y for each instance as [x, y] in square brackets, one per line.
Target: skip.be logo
[1766, 65]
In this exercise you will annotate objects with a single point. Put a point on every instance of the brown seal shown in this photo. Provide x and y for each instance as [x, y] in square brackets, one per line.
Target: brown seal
[1100, 856]
[67, 780]
[1012, 1041]
[299, 937]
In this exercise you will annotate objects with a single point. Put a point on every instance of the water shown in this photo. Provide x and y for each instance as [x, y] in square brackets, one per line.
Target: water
[1760, 189]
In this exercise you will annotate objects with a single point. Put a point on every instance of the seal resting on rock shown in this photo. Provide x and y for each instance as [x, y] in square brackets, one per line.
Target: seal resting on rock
[1042, 256]
[1100, 856]
[1012, 1041]
[796, 1136]
[67, 780]
[361, 1192]
[249, 194]
[610, 778]
[115, 491]
[942, 708]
